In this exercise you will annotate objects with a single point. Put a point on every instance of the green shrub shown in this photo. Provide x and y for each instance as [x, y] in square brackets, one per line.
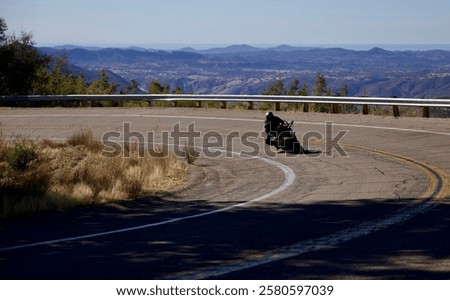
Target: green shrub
[21, 155]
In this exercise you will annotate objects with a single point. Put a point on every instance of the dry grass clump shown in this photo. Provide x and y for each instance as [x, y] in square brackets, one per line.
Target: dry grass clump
[63, 175]
[86, 139]
[3, 147]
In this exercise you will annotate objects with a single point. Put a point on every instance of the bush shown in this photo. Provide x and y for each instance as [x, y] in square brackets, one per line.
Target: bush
[86, 139]
[19, 157]
[58, 176]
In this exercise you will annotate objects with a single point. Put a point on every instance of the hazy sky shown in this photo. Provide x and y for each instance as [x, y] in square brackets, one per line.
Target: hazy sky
[226, 22]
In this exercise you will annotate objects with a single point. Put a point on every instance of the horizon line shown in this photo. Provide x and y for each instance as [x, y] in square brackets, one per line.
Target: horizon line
[205, 46]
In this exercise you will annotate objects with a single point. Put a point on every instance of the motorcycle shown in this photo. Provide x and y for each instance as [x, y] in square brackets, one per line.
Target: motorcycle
[284, 138]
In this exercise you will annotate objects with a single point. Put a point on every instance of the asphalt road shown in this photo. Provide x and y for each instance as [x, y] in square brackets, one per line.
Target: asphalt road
[369, 202]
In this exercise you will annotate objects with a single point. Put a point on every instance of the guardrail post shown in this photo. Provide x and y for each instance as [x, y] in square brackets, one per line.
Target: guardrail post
[277, 106]
[426, 112]
[175, 103]
[198, 103]
[305, 107]
[223, 105]
[335, 108]
[250, 105]
[149, 103]
[396, 111]
[365, 109]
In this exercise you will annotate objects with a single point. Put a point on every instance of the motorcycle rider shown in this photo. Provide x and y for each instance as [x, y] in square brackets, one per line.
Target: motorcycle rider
[272, 125]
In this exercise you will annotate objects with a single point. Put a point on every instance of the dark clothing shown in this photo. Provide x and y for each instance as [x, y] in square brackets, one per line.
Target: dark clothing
[271, 126]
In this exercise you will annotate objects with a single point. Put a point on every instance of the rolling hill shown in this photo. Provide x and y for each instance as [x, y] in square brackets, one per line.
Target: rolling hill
[243, 69]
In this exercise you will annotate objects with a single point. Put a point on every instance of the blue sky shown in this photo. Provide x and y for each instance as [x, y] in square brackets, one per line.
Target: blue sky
[254, 22]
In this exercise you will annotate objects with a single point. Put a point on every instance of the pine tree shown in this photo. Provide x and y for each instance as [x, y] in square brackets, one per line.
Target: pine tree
[132, 87]
[321, 89]
[276, 89]
[155, 87]
[293, 89]
[320, 85]
[102, 85]
[20, 62]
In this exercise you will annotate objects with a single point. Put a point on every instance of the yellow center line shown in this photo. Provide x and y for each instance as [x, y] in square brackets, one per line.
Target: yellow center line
[438, 189]
[438, 180]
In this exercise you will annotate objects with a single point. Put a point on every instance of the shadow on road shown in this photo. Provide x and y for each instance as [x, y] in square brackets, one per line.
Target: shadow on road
[417, 249]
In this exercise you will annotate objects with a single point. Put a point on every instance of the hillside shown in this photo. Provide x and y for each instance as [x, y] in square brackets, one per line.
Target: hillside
[242, 69]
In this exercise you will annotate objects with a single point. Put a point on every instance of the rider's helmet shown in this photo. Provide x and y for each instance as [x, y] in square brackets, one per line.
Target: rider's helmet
[269, 116]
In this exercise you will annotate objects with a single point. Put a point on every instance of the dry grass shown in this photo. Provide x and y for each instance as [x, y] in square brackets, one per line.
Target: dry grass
[3, 147]
[64, 175]
[86, 139]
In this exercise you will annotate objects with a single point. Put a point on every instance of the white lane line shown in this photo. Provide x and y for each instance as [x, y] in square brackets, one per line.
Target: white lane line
[404, 214]
[220, 119]
[289, 177]
[286, 252]
[304, 247]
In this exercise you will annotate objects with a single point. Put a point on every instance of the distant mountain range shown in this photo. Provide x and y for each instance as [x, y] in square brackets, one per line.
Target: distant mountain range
[243, 69]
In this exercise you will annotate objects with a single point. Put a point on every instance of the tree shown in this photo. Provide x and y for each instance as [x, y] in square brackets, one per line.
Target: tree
[20, 62]
[155, 87]
[102, 86]
[321, 89]
[3, 29]
[320, 86]
[132, 87]
[276, 89]
[304, 91]
[80, 84]
[178, 90]
[59, 79]
[346, 108]
[293, 89]
[344, 91]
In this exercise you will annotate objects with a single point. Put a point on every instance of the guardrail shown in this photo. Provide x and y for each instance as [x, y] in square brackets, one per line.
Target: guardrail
[277, 100]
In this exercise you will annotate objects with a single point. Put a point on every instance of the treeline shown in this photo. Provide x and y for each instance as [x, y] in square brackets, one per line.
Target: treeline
[320, 89]
[25, 71]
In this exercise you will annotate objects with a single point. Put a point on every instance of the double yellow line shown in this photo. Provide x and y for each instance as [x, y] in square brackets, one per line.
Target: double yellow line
[438, 180]
[438, 189]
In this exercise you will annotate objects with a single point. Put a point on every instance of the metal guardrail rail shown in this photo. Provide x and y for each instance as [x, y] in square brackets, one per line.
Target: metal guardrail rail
[238, 98]
[365, 101]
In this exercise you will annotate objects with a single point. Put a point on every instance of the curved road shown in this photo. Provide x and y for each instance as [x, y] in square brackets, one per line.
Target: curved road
[369, 201]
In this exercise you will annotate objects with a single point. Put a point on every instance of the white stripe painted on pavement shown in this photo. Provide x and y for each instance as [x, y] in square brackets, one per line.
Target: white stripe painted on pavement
[221, 119]
[289, 177]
